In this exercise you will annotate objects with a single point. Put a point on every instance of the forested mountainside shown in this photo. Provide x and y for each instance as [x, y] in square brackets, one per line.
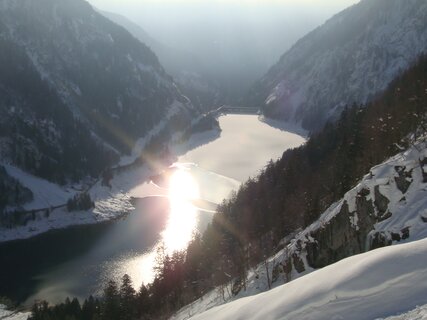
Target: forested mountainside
[293, 192]
[267, 214]
[76, 89]
[350, 59]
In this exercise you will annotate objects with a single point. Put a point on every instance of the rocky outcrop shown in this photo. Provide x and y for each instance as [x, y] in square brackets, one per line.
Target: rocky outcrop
[404, 178]
[384, 208]
[343, 236]
[423, 165]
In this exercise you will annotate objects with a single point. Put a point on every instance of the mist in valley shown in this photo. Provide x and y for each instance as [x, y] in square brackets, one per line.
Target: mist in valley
[217, 49]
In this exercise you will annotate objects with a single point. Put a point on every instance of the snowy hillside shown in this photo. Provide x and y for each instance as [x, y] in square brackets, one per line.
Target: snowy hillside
[388, 206]
[350, 59]
[45, 193]
[419, 313]
[380, 283]
[12, 315]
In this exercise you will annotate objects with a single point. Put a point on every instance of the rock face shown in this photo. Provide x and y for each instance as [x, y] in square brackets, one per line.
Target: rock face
[377, 212]
[350, 59]
[76, 90]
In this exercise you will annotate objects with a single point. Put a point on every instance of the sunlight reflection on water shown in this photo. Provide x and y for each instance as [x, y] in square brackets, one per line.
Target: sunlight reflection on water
[182, 221]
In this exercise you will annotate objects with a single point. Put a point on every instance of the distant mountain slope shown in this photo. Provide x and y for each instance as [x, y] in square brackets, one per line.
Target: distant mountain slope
[135, 30]
[188, 71]
[350, 59]
[172, 59]
[76, 89]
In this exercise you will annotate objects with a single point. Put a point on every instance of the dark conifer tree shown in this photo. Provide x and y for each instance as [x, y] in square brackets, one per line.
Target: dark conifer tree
[110, 307]
[127, 299]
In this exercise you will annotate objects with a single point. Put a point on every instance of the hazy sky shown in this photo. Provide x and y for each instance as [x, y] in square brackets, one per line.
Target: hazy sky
[235, 35]
[158, 16]
[244, 2]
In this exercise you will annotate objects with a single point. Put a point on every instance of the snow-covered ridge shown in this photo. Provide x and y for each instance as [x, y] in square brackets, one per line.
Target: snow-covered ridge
[350, 59]
[375, 284]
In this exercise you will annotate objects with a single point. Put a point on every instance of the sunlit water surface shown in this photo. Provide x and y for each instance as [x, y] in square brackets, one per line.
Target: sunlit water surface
[78, 261]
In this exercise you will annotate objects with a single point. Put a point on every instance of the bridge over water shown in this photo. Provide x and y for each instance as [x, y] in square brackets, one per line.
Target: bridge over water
[237, 110]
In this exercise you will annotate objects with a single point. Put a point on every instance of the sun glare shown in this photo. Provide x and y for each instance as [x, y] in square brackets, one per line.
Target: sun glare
[183, 189]
[182, 186]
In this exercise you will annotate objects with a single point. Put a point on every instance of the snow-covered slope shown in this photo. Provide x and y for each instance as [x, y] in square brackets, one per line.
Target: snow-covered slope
[350, 59]
[12, 315]
[388, 206]
[419, 313]
[45, 193]
[379, 283]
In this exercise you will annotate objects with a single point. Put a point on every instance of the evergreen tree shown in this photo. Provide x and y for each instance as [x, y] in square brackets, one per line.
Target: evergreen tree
[110, 307]
[90, 308]
[143, 301]
[127, 299]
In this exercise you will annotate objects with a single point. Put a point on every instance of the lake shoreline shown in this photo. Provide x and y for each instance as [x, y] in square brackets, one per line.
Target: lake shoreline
[110, 205]
[114, 203]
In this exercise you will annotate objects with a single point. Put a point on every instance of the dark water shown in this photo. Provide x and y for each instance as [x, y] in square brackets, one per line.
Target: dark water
[78, 261]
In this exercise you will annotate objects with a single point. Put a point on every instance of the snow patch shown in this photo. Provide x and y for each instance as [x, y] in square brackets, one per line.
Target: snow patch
[46, 194]
[12, 315]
